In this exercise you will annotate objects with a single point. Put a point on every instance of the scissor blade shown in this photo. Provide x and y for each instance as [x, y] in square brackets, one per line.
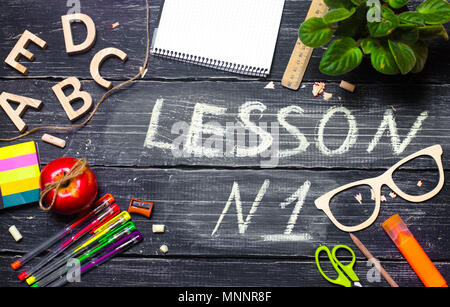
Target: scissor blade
[357, 284]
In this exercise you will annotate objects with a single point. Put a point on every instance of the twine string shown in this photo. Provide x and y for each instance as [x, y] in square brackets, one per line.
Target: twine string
[102, 99]
[74, 172]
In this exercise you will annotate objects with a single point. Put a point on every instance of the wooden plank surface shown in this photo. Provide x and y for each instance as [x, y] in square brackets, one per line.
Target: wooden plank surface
[190, 202]
[224, 272]
[129, 36]
[191, 192]
[130, 111]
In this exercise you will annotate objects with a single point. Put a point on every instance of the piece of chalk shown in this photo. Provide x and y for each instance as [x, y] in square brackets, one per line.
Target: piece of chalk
[327, 96]
[53, 140]
[157, 228]
[347, 86]
[15, 233]
[270, 86]
[164, 249]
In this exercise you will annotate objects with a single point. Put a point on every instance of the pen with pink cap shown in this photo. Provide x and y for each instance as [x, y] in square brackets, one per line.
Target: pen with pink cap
[105, 214]
[118, 247]
[102, 203]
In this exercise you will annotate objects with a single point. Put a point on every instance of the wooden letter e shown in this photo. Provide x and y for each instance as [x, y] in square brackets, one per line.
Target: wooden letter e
[20, 50]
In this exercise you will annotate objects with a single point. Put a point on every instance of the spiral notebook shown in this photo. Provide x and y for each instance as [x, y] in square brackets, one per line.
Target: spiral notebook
[232, 35]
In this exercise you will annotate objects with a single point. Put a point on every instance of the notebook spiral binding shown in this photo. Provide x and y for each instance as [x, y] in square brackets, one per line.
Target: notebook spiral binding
[212, 63]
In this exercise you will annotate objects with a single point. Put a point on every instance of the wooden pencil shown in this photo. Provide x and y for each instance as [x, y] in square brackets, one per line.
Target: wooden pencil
[372, 259]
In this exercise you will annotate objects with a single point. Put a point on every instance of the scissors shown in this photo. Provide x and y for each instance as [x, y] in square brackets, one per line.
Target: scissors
[339, 267]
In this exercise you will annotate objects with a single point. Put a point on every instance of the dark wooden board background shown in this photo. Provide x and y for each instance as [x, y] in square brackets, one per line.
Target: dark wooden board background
[190, 192]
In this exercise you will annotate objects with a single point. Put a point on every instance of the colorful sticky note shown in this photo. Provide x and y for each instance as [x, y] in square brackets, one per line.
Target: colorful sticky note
[19, 175]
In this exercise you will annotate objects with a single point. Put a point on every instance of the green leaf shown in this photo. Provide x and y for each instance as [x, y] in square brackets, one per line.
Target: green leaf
[314, 32]
[403, 56]
[355, 25]
[435, 11]
[342, 56]
[389, 21]
[367, 45]
[396, 4]
[432, 32]
[335, 4]
[405, 33]
[339, 14]
[383, 60]
[420, 50]
[412, 18]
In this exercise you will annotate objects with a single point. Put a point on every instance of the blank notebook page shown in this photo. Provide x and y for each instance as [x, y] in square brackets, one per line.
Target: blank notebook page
[232, 35]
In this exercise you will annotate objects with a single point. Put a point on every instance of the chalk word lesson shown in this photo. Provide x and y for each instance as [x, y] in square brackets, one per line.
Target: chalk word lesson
[220, 140]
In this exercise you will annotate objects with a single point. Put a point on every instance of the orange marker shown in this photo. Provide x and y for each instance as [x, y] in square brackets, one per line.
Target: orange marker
[413, 252]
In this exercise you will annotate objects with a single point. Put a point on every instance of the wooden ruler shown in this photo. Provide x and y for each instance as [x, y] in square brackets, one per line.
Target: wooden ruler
[301, 54]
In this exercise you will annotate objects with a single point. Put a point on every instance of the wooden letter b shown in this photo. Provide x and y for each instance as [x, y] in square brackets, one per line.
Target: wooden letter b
[76, 94]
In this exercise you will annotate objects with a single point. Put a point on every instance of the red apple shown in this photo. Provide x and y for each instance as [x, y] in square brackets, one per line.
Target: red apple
[76, 195]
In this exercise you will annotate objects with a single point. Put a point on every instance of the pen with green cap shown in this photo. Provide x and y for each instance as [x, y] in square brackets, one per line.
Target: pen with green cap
[106, 214]
[109, 239]
[106, 201]
[101, 231]
[116, 248]
[75, 253]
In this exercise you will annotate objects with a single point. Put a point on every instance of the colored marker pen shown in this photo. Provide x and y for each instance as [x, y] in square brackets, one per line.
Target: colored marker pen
[110, 252]
[117, 224]
[413, 252]
[107, 213]
[105, 228]
[117, 234]
[102, 203]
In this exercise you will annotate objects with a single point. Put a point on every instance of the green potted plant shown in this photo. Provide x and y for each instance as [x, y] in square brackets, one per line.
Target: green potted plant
[396, 41]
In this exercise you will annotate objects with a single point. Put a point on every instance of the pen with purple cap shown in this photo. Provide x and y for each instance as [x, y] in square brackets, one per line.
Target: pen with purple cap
[116, 248]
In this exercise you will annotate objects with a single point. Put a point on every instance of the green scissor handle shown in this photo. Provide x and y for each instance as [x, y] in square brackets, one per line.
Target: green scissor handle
[347, 268]
[337, 265]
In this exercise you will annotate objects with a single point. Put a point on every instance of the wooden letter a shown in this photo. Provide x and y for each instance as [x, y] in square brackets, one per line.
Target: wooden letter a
[15, 115]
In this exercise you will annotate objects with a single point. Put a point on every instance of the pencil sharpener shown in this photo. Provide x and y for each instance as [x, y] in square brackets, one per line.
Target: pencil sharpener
[140, 207]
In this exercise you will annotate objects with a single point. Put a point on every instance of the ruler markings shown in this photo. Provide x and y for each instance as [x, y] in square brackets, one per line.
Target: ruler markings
[301, 54]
